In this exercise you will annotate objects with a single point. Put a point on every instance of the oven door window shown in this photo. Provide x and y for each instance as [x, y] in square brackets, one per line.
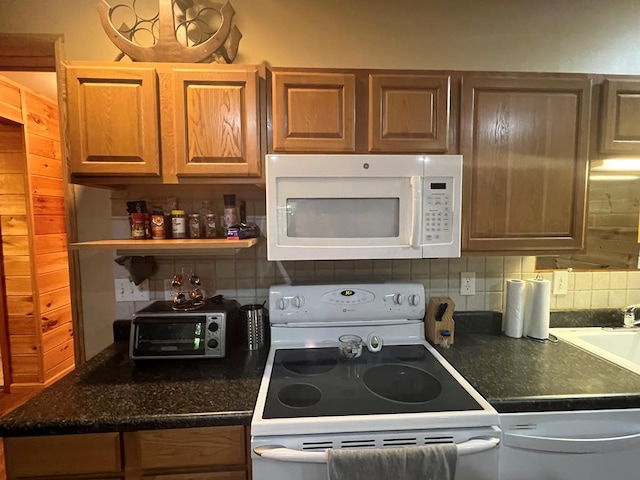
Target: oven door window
[178, 337]
[345, 211]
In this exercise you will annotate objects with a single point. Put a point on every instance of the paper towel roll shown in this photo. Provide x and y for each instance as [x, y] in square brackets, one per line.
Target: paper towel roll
[514, 308]
[538, 301]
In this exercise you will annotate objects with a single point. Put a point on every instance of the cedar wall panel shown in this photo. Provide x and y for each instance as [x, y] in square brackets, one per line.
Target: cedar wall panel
[34, 241]
[46, 192]
[612, 232]
[24, 338]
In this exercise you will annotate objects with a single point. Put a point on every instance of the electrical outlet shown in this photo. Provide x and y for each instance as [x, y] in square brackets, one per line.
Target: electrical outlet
[169, 291]
[560, 282]
[127, 291]
[467, 283]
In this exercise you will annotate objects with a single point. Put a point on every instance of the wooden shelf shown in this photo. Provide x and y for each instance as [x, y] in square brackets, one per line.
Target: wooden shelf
[212, 246]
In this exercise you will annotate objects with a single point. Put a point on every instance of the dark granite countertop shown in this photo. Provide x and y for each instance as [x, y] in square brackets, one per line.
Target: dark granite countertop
[518, 375]
[112, 393]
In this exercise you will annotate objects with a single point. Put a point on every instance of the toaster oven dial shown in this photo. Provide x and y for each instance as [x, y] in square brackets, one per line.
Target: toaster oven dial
[213, 343]
[213, 327]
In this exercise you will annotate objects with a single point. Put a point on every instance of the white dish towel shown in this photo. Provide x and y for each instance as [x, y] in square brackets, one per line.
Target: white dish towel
[428, 462]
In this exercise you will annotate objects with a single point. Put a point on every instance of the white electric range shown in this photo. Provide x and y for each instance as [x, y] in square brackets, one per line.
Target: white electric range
[312, 397]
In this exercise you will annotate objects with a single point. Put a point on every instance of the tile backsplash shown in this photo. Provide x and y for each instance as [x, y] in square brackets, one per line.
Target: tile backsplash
[247, 276]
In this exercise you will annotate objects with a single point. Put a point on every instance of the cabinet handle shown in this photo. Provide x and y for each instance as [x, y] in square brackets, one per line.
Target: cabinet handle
[416, 205]
[571, 445]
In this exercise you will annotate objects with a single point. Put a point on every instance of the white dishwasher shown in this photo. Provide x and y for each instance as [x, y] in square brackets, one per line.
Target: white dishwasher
[585, 445]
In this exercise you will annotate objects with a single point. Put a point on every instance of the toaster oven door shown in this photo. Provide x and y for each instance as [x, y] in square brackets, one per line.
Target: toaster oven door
[175, 336]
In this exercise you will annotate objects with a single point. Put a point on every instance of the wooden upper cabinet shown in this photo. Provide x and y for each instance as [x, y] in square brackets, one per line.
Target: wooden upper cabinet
[408, 113]
[313, 112]
[113, 123]
[525, 146]
[217, 117]
[164, 122]
[620, 119]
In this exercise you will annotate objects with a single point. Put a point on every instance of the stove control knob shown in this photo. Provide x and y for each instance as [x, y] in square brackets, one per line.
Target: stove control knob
[213, 343]
[398, 299]
[282, 303]
[298, 301]
[414, 300]
[213, 327]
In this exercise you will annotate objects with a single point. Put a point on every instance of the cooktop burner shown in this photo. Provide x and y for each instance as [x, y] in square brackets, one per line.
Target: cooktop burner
[308, 362]
[402, 383]
[399, 379]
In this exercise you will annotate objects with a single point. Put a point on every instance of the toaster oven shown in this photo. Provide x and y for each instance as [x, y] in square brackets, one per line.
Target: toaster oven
[159, 331]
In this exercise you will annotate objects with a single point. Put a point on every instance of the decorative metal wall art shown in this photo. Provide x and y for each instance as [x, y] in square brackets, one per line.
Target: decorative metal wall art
[188, 31]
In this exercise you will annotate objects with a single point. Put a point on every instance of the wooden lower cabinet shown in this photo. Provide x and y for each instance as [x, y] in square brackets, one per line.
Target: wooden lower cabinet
[199, 476]
[207, 453]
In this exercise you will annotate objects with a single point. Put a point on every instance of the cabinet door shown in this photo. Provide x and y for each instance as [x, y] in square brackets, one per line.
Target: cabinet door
[93, 453]
[113, 120]
[620, 120]
[524, 142]
[313, 112]
[185, 448]
[217, 122]
[409, 113]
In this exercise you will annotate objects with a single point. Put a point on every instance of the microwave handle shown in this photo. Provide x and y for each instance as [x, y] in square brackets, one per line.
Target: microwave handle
[416, 204]
[283, 454]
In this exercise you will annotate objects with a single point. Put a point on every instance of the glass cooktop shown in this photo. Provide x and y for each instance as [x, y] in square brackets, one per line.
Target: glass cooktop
[316, 382]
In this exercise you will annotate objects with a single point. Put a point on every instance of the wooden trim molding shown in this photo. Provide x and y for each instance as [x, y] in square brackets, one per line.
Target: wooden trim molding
[28, 52]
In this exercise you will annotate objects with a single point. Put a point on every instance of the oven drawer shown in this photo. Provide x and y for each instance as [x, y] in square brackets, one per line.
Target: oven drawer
[477, 452]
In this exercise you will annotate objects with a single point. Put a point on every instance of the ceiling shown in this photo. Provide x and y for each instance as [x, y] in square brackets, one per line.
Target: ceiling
[43, 83]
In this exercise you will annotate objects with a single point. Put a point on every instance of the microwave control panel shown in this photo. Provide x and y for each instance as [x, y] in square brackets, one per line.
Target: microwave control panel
[437, 210]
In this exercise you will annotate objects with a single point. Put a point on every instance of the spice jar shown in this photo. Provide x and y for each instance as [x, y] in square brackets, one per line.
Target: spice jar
[194, 225]
[204, 210]
[230, 216]
[178, 224]
[210, 226]
[157, 225]
[137, 226]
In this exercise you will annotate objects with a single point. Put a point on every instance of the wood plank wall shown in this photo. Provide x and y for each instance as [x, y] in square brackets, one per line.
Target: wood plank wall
[44, 161]
[24, 341]
[34, 238]
[612, 232]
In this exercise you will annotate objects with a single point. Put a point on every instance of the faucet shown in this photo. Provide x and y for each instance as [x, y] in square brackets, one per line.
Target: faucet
[630, 316]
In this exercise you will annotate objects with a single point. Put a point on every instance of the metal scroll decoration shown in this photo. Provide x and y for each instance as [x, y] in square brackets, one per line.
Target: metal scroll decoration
[171, 30]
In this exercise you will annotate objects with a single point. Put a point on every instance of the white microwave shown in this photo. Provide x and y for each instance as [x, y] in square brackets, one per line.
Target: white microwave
[348, 207]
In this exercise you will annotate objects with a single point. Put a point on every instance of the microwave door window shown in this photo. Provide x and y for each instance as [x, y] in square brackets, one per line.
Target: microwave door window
[171, 339]
[343, 217]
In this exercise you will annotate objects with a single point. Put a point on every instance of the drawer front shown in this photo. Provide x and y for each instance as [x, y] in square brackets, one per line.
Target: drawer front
[199, 476]
[189, 447]
[63, 455]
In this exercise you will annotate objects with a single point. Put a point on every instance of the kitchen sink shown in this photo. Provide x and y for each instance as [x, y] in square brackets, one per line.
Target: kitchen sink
[618, 345]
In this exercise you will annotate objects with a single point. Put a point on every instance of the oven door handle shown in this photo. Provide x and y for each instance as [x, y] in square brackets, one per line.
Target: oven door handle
[416, 215]
[283, 454]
